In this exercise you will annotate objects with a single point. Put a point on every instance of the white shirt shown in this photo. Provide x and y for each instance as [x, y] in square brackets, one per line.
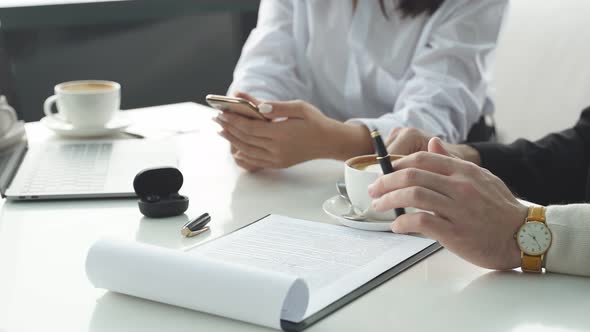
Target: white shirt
[427, 72]
[570, 248]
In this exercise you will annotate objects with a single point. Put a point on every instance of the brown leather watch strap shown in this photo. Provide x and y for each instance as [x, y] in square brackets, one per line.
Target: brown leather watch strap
[536, 213]
[533, 263]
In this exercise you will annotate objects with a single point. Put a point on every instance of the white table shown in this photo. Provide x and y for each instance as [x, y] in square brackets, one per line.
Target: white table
[43, 286]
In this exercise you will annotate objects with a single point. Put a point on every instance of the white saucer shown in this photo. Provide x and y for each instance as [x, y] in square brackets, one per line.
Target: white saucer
[64, 128]
[15, 134]
[336, 206]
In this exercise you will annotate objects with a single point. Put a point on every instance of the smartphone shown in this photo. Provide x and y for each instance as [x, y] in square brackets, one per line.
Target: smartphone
[235, 105]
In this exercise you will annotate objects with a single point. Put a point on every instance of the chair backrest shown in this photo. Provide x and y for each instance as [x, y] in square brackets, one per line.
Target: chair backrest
[542, 71]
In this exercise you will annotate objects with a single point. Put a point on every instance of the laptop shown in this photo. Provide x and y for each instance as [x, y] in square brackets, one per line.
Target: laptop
[79, 169]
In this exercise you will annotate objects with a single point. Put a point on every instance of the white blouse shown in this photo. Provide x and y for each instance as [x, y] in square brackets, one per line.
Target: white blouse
[428, 72]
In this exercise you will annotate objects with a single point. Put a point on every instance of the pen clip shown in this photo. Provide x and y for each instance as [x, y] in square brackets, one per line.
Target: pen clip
[196, 226]
[188, 233]
[199, 222]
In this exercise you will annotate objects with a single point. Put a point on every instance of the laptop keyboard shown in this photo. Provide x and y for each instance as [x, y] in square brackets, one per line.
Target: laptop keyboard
[76, 167]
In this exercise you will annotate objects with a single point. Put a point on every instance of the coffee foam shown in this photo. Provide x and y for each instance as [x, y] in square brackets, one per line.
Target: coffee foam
[375, 168]
[88, 87]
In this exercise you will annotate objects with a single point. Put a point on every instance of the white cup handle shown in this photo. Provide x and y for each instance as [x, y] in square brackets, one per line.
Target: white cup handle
[48, 105]
[12, 114]
[8, 116]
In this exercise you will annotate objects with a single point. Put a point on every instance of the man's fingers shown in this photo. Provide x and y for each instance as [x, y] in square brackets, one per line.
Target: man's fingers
[431, 162]
[411, 177]
[418, 197]
[246, 148]
[424, 223]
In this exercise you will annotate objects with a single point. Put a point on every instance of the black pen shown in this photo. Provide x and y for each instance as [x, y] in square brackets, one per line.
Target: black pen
[384, 160]
[196, 226]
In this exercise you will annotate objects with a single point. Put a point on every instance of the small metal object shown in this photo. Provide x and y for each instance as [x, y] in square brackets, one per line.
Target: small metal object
[197, 226]
[189, 233]
[353, 213]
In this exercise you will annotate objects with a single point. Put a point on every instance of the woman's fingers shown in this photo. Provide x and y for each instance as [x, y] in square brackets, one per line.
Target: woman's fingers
[294, 109]
[253, 151]
[435, 145]
[247, 166]
[392, 136]
[240, 157]
[257, 128]
[405, 141]
[264, 143]
[248, 97]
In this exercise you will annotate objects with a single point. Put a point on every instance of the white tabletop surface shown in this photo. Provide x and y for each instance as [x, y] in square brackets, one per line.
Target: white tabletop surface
[43, 286]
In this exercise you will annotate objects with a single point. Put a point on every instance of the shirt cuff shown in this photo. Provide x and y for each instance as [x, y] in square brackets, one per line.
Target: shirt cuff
[383, 125]
[370, 125]
[413, 118]
[570, 248]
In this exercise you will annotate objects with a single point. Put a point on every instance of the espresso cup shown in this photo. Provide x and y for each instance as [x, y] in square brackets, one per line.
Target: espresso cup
[7, 117]
[359, 173]
[85, 104]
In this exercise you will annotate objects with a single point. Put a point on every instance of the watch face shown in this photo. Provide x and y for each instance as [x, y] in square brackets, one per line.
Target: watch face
[533, 238]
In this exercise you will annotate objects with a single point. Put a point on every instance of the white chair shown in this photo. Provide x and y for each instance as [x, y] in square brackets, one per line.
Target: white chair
[542, 72]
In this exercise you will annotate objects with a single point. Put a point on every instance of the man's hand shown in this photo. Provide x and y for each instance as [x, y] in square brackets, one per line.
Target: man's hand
[405, 141]
[475, 214]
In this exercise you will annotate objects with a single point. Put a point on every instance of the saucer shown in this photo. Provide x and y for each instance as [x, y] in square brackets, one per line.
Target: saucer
[336, 206]
[64, 128]
[15, 134]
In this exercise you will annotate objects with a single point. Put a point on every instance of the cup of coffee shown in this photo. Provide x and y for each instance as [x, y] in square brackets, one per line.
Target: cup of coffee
[359, 173]
[85, 104]
[7, 117]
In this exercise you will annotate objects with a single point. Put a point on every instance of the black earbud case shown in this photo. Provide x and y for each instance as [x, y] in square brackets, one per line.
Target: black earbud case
[157, 189]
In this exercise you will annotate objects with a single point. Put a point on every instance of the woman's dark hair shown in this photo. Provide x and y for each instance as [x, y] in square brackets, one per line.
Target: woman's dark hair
[413, 8]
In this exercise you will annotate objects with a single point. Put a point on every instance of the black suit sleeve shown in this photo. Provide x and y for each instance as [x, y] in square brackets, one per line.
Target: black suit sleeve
[552, 170]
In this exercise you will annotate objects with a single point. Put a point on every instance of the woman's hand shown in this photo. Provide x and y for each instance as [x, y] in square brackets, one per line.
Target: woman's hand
[405, 141]
[297, 132]
[475, 214]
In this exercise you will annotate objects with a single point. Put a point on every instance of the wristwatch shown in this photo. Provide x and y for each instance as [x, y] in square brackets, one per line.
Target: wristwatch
[534, 239]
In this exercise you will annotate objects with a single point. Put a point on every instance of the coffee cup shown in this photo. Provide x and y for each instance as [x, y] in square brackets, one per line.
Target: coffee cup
[359, 173]
[85, 104]
[7, 117]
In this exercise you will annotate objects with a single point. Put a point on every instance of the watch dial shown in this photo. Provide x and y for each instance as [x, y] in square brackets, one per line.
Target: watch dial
[534, 238]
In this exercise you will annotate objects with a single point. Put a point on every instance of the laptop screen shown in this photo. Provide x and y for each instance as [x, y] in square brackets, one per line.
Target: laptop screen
[10, 160]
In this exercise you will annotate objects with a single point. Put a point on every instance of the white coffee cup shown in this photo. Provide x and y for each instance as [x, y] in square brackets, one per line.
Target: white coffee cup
[7, 117]
[359, 173]
[85, 104]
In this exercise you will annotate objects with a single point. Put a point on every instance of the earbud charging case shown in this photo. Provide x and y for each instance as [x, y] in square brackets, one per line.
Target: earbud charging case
[157, 189]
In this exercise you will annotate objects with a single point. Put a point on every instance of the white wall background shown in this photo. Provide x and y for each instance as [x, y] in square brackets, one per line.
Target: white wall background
[542, 70]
